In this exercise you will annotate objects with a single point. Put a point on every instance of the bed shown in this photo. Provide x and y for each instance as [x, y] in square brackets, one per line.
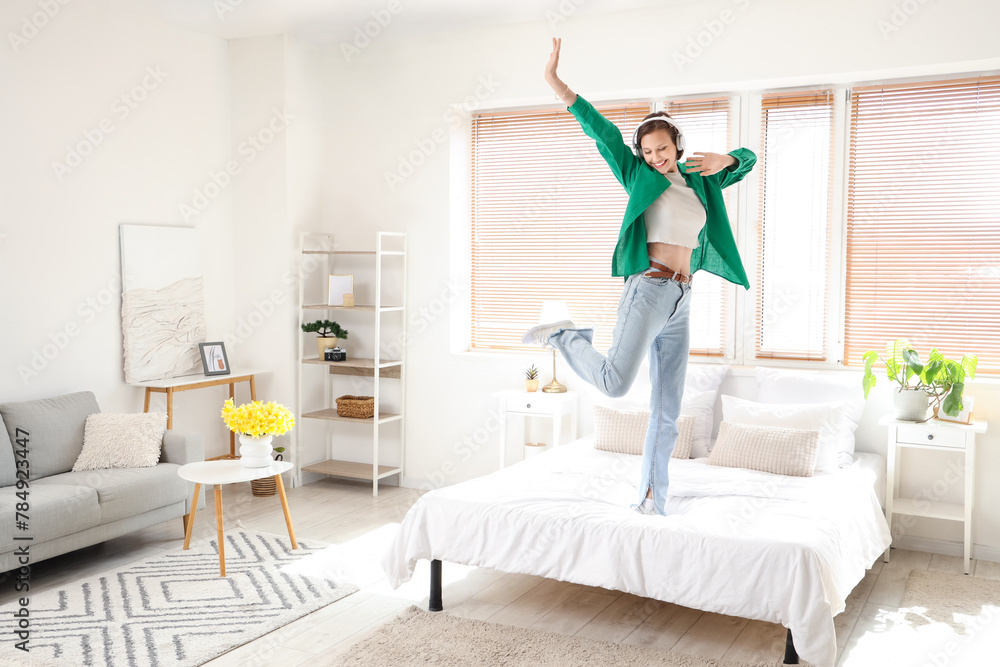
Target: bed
[785, 550]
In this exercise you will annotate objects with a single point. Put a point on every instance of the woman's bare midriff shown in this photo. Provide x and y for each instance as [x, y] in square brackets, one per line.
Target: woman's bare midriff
[675, 257]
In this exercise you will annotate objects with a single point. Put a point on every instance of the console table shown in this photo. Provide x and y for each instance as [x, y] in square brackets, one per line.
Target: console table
[169, 386]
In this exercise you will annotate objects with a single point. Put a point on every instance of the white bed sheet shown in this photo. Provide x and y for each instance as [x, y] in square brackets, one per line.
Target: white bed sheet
[779, 549]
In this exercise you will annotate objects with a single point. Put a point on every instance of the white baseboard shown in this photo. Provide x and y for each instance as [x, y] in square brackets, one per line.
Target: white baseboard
[945, 547]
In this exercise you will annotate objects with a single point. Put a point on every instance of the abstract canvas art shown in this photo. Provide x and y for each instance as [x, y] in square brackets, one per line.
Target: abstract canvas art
[163, 304]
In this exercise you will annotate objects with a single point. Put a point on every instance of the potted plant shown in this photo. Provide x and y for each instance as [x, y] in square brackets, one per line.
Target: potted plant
[329, 334]
[940, 382]
[531, 378]
[257, 423]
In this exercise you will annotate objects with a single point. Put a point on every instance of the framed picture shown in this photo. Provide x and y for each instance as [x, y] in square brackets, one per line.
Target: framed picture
[339, 286]
[214, 359]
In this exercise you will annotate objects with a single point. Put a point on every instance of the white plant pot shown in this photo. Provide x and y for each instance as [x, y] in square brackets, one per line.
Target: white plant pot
[255, 452]
[911, 404]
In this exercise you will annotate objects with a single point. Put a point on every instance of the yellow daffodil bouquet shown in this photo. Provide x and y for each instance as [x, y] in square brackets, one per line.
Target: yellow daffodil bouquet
[258, 418]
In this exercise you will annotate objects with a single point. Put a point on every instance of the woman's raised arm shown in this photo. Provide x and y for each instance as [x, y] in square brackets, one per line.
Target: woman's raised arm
[561, 89]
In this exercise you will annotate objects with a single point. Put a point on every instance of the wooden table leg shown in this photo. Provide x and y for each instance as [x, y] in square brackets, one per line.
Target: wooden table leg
[170, 409]
[253, 389]
[284, 507]
[218, 526]
[145, 408]
[190, 520]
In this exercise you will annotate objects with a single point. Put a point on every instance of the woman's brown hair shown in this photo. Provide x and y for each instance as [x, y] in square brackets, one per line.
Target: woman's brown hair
[650, 127]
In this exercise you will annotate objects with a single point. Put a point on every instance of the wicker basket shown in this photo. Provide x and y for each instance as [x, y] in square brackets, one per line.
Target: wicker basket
[359, 407]
[263, 487]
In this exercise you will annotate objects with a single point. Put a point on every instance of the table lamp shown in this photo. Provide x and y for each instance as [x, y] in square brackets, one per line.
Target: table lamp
[554, 311]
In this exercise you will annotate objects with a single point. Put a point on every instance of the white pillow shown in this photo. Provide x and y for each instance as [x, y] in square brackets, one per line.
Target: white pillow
[782, 451]
[624, 431]
[783, 386]
[699, 404]
[121, 441]
[823, 417]
[705, 377]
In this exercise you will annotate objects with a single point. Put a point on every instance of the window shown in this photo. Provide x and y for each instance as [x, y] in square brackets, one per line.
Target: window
[546, 212]
[793, 234]
[923, 220]
[706, 129]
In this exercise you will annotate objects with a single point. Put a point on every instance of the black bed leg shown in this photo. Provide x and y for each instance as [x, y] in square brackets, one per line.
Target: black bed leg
[791, 657]
[434, 604]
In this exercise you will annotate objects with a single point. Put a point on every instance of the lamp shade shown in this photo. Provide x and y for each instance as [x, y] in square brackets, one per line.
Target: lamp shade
[554, 311]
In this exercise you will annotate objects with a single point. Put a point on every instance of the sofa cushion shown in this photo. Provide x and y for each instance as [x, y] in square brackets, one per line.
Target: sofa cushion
[54, 511]
[125, 492]
[8, 476]
[55, 429]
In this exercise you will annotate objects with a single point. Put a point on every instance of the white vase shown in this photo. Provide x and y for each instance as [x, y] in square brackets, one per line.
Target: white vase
[255, 452]
[910, 404]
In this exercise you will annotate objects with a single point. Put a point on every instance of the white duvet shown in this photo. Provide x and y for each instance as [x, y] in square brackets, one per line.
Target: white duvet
[781, 549]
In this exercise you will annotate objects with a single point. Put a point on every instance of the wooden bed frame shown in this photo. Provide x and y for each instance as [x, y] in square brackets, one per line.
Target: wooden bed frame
[435, 604]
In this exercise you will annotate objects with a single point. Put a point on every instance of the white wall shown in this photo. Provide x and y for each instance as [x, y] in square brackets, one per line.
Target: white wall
[393, 98]
[59, 252]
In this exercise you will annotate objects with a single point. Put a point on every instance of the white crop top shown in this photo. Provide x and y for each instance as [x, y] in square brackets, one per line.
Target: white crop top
[676, 216]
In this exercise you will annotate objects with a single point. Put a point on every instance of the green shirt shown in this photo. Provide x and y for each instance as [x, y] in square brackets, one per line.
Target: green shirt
[716, 251]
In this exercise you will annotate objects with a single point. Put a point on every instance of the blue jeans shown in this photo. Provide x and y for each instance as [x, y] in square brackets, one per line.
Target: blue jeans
[652, 316]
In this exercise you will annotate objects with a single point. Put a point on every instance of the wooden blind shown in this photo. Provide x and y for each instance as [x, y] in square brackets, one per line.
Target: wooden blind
[923, 222]
[793, 236]
[706, 129]
[546, 212]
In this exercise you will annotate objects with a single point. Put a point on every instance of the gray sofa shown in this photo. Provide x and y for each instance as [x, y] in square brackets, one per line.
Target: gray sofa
[70, 510]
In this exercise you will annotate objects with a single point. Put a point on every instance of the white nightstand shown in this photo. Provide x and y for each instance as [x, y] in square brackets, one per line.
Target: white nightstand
[939, 436]
[526, 404]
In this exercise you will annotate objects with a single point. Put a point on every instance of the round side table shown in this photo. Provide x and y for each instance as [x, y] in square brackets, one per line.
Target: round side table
[222, 472]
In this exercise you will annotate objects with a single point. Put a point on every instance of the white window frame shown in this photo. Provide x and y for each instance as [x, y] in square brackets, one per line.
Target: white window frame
[745, 121]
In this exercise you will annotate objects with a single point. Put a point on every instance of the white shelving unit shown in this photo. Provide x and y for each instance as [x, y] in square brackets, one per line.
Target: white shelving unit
[390, 247]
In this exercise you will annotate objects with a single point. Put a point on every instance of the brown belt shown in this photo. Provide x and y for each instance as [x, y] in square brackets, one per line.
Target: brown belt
[665, 272]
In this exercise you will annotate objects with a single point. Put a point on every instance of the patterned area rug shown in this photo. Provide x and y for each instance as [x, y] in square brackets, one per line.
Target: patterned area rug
[174, 610]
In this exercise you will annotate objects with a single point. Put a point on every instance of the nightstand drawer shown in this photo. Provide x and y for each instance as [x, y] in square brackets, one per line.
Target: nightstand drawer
[922, 435]
[529, 404]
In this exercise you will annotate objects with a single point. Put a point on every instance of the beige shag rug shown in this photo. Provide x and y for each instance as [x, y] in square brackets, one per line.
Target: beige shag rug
[960, 601]
[418, 637]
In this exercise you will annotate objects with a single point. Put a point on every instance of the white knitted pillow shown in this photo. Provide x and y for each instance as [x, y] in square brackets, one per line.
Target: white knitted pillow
[121, 441]
[624, 431]
[783, 451]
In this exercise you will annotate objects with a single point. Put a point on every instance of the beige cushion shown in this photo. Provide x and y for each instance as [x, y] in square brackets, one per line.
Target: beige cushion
[121, 441]
[783, 451]
[623, 431]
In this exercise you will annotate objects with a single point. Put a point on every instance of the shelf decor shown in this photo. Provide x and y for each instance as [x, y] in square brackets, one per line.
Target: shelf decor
[329, 334]
[257, 423]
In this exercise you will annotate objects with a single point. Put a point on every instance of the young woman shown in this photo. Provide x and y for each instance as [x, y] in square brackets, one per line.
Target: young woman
[675, 224]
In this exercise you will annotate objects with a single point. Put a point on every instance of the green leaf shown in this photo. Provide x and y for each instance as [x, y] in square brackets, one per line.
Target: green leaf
[953, 401]
[931, 371]
[969, 363]
[913, 362]
[892, 370]
[868, 382]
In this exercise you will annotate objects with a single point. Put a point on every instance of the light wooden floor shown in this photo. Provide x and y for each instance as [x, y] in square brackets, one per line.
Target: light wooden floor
[345, 513]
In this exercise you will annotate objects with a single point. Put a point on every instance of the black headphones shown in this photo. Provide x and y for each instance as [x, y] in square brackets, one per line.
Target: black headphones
[669, 121]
